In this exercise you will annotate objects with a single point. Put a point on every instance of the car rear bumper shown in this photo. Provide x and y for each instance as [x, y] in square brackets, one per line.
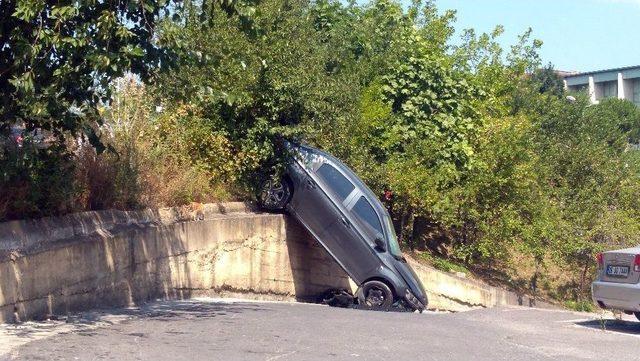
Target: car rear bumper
[618, 296]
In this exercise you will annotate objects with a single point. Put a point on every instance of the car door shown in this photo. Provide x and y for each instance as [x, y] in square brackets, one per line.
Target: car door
[366, 218]
[320, 206]
[313, 205]
[367, 223]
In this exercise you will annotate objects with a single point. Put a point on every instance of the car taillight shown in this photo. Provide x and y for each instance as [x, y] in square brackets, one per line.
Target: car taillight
[600, 260]
[636, 263]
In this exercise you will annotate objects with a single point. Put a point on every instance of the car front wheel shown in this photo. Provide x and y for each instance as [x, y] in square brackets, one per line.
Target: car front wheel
[375, 295]
[274, 194]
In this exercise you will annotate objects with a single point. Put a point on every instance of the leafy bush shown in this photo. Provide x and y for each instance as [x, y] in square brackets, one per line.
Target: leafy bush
[240, 93]
[154, 159]
[443, 264]
[58, 58]
[35, 182]
[580, 306]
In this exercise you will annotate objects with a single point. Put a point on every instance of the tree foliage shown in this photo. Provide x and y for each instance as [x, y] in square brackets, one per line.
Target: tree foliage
[57, 58]
[488, 163]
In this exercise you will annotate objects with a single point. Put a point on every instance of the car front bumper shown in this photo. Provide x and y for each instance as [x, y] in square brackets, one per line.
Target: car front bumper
[413, 301]
[617, 296]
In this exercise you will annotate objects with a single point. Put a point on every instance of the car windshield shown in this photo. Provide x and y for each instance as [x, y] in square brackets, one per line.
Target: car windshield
[394, 247]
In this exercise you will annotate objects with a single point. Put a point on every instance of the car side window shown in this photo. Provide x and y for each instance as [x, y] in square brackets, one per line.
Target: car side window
[364, 212]
[335, 180]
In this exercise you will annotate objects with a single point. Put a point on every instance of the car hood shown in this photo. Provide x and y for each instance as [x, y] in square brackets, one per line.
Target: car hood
[412, 280]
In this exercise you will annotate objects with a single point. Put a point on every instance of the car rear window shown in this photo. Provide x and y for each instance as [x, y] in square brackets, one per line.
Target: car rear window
[364, 212]
[335, 180]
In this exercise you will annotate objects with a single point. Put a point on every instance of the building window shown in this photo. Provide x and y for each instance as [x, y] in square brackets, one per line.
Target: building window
[610, 89]
[636, 91]
[583, 88]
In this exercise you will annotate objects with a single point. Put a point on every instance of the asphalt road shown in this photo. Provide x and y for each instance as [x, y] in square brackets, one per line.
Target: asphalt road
[242, 330]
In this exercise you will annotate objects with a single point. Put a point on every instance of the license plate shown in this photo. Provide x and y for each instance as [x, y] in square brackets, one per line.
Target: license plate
[618, 271]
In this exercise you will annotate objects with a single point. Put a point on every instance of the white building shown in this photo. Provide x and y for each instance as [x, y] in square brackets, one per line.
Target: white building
[621, 83]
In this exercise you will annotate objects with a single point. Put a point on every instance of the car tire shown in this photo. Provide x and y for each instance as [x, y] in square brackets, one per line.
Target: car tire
[274, 194]
[637, 315]
[375, 295]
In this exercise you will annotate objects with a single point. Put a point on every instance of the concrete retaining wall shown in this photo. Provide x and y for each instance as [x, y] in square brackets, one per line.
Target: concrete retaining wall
[115, 258]
[446, 291]
[112, 258]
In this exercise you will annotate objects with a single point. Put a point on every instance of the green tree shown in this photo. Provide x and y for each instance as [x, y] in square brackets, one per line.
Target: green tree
[548, 81]
[57, 58]
[592, 176]
[252, 89]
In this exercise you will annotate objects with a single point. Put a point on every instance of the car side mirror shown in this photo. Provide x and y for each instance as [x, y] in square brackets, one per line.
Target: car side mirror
[380, 245]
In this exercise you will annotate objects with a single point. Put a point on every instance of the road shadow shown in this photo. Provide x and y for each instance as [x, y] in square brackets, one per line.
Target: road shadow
[164, 311]
[621, 326]
[193, 309]
[103, 263]
[313, 270]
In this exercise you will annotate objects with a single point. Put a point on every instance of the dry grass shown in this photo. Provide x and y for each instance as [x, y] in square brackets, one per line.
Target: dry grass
[148, 163]
[554, 281]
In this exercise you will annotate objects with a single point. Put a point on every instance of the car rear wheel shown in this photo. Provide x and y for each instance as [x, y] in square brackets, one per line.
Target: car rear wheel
[274, 194]
[375, 295]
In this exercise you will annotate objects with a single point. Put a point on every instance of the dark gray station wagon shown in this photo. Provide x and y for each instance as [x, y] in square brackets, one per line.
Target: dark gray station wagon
[346, 217]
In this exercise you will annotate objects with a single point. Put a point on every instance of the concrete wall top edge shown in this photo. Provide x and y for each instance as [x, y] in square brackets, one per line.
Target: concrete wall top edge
[22, 234]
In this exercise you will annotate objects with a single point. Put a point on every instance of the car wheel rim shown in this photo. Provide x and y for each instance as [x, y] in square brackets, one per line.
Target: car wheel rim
[375, 297]
[273, 193]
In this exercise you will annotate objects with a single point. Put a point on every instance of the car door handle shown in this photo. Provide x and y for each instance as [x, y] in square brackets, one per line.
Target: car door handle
[310, 184]
[344, 221]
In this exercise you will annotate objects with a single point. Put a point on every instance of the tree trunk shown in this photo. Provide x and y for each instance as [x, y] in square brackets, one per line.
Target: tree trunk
[534, 283]
[411, 223]
[418, 233]
[582, 280]
[403, 218]
[406, 222]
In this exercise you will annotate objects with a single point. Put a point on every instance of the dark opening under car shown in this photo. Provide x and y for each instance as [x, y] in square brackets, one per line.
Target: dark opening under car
[346, 217]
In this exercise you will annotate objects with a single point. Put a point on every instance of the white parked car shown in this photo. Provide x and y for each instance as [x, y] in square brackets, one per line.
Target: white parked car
[617, 286]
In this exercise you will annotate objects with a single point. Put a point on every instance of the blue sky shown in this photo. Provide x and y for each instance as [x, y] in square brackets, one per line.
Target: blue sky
[578, 35]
